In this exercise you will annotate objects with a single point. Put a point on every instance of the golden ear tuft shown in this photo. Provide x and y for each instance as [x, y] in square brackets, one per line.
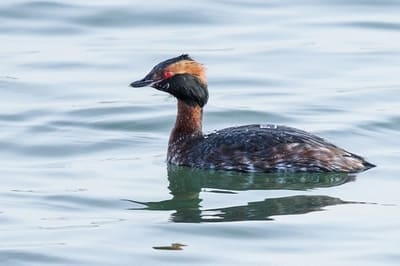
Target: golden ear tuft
[188, 67]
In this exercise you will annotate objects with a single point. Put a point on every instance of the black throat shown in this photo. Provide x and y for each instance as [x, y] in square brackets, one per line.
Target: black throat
[185, 87]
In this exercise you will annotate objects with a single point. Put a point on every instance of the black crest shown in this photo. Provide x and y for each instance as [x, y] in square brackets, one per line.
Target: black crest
[173, 60]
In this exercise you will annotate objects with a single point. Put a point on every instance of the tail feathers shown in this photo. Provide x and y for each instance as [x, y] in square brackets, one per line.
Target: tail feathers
[368, 165]
[363, 165]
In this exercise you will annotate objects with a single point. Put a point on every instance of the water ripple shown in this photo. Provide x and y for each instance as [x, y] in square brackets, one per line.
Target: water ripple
[376, 25]
[367, 25]
[14, 257]
[123, 17]
[47, 17]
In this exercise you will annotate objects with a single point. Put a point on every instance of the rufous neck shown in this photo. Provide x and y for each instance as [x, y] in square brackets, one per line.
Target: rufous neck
[188, 121]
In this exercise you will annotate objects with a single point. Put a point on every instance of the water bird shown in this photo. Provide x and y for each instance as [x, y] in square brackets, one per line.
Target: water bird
[249, 148]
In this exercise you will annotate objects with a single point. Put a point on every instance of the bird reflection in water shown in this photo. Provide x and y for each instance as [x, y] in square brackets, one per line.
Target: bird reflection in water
[185, 185]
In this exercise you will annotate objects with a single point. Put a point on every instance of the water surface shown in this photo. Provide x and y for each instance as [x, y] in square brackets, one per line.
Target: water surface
[84, 178]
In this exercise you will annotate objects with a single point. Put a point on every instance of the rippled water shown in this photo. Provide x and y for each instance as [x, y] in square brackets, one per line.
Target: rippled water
[84, 178]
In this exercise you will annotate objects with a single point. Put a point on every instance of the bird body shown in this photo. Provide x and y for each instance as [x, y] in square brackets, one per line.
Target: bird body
[250, 148]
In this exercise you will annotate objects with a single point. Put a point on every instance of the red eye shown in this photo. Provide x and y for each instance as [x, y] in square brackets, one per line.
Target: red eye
[166, 74]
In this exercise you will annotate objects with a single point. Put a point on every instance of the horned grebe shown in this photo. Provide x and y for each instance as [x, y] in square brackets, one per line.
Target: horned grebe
[251, 148]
